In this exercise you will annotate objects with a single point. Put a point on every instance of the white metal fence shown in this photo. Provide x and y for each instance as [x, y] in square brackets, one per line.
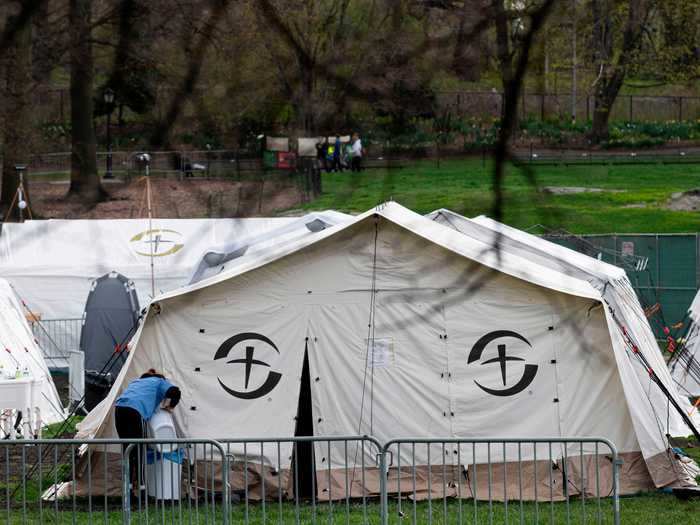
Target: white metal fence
[57, 338]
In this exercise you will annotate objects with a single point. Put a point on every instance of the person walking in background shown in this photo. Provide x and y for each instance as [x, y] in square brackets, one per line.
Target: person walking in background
[337, 150]
[330, 156]
[321, 152]
[356, 155]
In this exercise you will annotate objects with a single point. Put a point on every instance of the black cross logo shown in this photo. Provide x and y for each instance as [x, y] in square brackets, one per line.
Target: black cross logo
[502, 358]
[272, 378]
[249, 362]
[528, 373]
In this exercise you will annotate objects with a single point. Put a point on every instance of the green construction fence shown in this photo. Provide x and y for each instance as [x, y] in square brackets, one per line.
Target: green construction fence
[663, 268]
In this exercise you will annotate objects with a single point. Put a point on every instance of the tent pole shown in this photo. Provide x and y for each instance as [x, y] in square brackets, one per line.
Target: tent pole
[150, 228]
[654, 376]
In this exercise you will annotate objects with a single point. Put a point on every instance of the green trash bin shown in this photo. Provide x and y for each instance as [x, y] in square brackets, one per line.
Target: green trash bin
[269, 159]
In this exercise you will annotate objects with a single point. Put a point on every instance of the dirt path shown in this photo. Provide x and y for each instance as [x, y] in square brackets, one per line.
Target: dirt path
[189, 198]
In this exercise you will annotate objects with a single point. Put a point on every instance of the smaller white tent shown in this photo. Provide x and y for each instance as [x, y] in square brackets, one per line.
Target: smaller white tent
[21, 356]
[685, 363]
[52, 264]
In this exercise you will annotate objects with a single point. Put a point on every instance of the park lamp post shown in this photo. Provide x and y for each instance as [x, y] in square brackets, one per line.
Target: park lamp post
[109, 101]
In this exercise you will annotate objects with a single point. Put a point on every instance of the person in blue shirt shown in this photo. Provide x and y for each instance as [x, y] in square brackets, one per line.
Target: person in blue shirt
[137, 404]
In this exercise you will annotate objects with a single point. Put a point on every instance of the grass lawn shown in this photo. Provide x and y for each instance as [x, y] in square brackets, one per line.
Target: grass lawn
[656, 509]
[633, 199]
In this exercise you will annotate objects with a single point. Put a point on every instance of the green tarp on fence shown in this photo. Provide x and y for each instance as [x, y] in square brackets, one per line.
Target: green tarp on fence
[663, 268]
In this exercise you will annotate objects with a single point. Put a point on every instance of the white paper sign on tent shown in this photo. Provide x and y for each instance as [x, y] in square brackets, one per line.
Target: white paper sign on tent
[381, 352]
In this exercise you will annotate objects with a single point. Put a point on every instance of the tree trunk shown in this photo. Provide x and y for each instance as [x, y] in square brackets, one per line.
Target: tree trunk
[466, 61]
[306, 118]
[605, 95]
[16, 104]
[505, 60]
[45, 52]
[84, 179]
[600, 130]
[611, 73]
[397, 14]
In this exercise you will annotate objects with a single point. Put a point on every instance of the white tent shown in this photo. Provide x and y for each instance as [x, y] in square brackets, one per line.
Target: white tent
[397, 314]
[52, 264]
[20, 356]
[685, 365]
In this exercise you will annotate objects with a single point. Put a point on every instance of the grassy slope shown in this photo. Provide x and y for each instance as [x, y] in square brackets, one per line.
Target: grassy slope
[465, 187]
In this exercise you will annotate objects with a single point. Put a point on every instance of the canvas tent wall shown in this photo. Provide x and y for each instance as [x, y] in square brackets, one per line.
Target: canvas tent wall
[633, 329]
[402, 312]
[685, 363]
[19, 351]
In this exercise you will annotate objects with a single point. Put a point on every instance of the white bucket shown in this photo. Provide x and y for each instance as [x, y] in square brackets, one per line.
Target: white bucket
[163, 462]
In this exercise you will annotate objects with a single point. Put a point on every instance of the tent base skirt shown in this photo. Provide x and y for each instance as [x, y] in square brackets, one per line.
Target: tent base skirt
[525, 481]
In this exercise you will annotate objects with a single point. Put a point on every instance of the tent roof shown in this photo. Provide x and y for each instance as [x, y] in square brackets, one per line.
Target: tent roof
[217, 259]
[479, 251]
[96, 247]
[52, 263]
[560, 256]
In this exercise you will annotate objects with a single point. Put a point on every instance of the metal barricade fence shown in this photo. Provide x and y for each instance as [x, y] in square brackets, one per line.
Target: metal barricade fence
[346, 479]
[57, 337]
[77, 481]
[506, 481]
[155, 489]
[306, 479]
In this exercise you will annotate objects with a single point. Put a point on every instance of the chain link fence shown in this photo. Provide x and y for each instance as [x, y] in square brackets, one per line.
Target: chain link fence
[551, 106]
[54, 105]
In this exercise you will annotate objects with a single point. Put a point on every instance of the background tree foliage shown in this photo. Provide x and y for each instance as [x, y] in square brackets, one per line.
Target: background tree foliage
[218, 72]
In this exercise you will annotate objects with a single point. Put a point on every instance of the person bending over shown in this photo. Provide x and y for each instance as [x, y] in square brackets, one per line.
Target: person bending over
[137, 404]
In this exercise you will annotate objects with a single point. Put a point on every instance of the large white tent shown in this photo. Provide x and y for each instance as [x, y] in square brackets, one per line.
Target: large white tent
[23, 371]
[396, 315]
[685, 364]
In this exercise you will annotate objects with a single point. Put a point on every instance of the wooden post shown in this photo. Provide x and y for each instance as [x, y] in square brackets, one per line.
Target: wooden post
[631, 109]
[542, 107]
